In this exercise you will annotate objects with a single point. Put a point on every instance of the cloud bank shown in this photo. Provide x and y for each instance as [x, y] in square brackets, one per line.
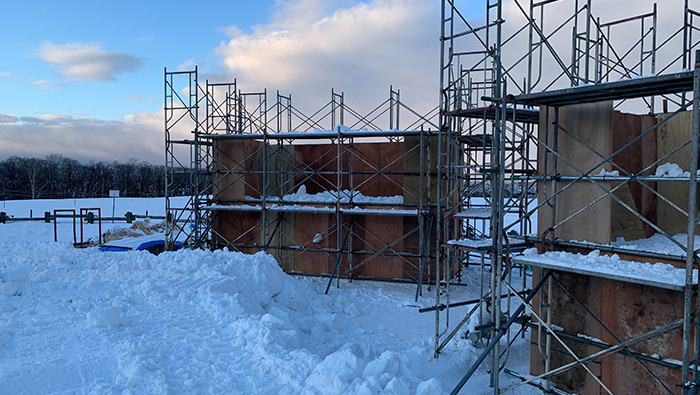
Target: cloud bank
[136, 136]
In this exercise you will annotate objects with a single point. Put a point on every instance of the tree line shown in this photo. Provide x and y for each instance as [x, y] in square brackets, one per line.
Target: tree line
[58, 177]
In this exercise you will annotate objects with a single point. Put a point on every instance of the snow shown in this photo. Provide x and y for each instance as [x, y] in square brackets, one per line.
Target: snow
[671, 170]
[134, 242]
[311, 209]
[604, 173]
[591, 338]
[139, 206]
[657, 243]
[474, 212]
[471, 243]
[327, 197]
[76, 321]
[656, 274]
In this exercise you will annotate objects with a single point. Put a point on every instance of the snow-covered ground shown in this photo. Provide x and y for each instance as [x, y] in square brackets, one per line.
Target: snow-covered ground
[81, 321]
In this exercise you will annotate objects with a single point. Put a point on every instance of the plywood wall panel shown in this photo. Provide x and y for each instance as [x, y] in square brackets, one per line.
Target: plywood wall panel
[592, 124]
[631, 310]
[633, 159]
[672, 134]
[298, 229]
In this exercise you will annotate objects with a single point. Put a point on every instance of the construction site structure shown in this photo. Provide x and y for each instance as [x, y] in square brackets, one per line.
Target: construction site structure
[331, 193]
[556, 130]
[533, 104]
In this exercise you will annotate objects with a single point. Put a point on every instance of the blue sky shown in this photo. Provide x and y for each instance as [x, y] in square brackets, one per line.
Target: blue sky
[152, 34]
[85, 78]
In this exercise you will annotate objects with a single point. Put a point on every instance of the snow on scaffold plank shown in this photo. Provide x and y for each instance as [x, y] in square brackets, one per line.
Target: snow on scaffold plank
[474, 213]
[660, 275]
[472, 244]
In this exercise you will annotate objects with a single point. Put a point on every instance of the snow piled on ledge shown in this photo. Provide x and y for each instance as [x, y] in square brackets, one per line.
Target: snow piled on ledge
[332, 196]
[611, 265]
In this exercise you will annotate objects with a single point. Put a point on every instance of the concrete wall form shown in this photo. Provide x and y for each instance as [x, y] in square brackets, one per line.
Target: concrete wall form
[306, 237]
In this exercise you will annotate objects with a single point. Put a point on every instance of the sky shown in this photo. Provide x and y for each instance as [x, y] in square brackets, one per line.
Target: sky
[85, 79]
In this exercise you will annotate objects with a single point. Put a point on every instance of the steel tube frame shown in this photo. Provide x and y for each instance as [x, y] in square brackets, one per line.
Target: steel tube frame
[594, 36]
[229, 113]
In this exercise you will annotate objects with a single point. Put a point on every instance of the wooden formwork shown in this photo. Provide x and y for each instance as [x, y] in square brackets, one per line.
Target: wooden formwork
[380, 246]
[604, 131]
[627, 310]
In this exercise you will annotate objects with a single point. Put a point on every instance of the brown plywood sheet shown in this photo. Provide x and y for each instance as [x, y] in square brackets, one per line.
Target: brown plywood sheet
[605, 131]
[627, 310]
[375, 158]
[632, 310]
[235, 163]
[672, 134]
[569, 315]
[374, 233]
[306, 226]
[625, 223]
[412, 164]
[298, 229]
[649, 155]
[633, 159]
[320, 158]
[238, 228]
[592, 124]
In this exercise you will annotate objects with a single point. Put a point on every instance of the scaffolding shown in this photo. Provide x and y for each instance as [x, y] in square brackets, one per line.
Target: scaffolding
[471, 183]
[503, 114]
[322, 192]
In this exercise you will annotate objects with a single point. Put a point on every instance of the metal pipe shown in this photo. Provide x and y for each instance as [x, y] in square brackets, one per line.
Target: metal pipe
[609, 248]
[588, 40]
[499, 334]
[443, 132]
[653, 56]
[421, 219]
[351, 187]
[600, 354]
[690, 255]
[548, 335]
[605, 346]
[458, 304]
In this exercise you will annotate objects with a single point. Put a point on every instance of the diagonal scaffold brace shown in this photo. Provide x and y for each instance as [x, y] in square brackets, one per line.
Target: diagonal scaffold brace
[502, 331]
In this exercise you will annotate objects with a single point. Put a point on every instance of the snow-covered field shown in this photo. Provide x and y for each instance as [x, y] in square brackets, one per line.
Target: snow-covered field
[81, 321]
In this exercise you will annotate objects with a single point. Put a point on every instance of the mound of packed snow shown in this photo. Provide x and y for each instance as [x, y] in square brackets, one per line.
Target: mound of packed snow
[84, 321]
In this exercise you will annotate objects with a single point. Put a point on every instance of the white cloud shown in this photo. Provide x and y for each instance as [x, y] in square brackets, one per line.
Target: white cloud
[311, 46]
[47, 85]
[187, 65]
[139, 98]
[47, 118]
[87, 61]
[8, 118]
[231, 31]
[6, 74]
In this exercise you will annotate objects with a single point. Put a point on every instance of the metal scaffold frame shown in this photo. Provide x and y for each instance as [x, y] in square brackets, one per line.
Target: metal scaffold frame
[217, 114]
[489, 141]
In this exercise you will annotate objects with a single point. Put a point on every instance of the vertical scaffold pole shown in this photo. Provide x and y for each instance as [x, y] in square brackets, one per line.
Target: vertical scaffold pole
[692, 201]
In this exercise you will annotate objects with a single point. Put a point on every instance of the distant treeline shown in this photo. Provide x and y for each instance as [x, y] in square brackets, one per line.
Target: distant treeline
[58, 177]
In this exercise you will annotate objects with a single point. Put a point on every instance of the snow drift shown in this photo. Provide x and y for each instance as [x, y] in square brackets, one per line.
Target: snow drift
[83, 321]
